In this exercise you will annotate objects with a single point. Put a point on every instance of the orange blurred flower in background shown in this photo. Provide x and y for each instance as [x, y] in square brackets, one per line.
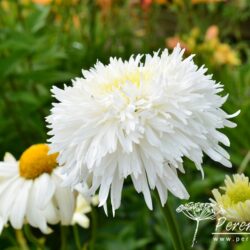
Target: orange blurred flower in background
[161, 1]
[76, 21]
[43, 1]
[171, 43]
[206, 1]
[47, 2]
[187, 42]
[145, 4]
[105, 6]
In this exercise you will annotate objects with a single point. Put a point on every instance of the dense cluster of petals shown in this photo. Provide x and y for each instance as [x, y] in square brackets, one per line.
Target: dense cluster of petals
[139, 119]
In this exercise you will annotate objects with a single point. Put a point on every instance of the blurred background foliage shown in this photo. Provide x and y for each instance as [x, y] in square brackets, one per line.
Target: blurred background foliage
[46, 42]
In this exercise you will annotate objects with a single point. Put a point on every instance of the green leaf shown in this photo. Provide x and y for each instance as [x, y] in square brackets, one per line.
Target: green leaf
[243, 246]
[9, 65]
[37, 20]
[46, 76]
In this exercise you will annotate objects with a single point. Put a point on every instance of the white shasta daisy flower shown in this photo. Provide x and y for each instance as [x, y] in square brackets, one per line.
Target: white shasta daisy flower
[138, 119]
[31, 192]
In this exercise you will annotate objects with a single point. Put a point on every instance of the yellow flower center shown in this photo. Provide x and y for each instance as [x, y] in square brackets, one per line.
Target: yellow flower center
[35, 161]
[134, 78]
[239, 192]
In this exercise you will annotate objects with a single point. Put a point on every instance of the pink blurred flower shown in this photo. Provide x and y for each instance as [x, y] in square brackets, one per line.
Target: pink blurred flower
[212, 32]
[171, 43]
[145, 4]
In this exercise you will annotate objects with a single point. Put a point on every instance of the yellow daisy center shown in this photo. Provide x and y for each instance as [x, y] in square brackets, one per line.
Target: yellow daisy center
[35, 161]
[239, 192]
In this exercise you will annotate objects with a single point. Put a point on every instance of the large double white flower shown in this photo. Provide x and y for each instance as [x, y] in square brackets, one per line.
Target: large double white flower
[138, 119]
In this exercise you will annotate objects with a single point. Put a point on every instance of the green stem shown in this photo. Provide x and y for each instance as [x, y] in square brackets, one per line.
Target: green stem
[38, 242]
[76, 237]
[244, 163]
[21, 240]
[63, 238]
[172, 224]
[195, 233]
[92, 21]
[85, 247]
[214, 243]
[94, 229]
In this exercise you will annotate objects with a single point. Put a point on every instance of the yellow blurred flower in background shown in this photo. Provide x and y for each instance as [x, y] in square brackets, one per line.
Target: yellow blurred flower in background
[234, 204]
[4, 5]
[209, 46]
[222, 53]
[225, 55]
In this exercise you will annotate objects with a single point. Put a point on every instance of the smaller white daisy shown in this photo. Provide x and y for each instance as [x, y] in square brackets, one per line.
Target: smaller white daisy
[31, 192]
[83, 206]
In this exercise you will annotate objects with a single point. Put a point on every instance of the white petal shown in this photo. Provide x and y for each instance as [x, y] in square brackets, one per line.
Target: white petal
[81, 219]
[52, 213]
[45, 189]
[66, 204]
[8, 157]
[19, 206]
[116, 192]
